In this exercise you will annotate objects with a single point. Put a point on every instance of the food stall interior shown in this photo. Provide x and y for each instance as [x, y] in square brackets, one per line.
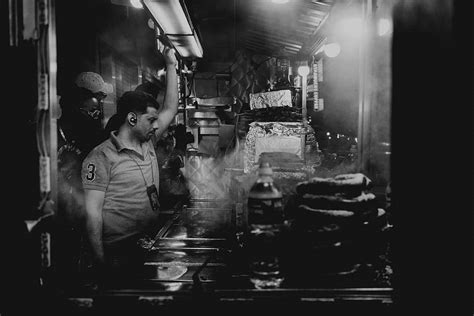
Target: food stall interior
[303, 85]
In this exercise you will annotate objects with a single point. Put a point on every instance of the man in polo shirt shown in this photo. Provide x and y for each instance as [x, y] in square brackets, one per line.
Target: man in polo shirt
[121, 178]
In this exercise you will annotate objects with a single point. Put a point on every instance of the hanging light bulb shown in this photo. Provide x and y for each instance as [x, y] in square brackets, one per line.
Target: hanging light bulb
[332, 49]
[303, 70]
[384, 27]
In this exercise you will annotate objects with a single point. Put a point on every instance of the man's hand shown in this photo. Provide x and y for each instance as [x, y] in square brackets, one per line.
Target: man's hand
[170, 56]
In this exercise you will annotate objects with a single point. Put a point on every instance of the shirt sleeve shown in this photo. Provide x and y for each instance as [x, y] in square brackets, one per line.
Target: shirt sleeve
[96, 171]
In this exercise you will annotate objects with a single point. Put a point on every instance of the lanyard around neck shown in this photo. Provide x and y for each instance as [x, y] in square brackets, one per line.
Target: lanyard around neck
[141, 171]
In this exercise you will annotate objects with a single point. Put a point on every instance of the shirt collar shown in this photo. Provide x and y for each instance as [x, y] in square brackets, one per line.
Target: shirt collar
[117, 143]
[120, 146]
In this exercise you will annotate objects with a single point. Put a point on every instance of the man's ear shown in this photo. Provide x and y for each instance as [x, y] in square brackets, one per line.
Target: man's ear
[132, 118]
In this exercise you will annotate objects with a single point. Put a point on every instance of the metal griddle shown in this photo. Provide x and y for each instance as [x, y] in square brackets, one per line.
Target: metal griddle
[212, 262]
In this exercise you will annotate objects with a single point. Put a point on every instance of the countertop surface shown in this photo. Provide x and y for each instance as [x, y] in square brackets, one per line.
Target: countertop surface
[189, 258]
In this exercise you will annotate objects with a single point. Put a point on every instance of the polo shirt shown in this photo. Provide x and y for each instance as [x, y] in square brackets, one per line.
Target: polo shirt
[124, 175]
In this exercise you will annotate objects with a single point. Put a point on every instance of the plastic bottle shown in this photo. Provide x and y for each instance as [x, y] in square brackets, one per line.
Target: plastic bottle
[265, 201]
[265, 222]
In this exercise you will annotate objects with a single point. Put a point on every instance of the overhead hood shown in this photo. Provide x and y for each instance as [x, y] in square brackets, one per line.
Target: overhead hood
[174, 26]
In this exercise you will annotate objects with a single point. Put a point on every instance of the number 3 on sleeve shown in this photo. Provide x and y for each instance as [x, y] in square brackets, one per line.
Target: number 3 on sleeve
[91, 172]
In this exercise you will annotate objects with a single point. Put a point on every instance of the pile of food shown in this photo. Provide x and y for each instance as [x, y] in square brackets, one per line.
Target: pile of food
[276, 114]
[270, 114]
[335, 203]
[335, 222]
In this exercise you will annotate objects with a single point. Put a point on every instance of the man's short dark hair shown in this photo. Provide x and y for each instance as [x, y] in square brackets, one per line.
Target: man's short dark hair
[135, 101]
[149, 87]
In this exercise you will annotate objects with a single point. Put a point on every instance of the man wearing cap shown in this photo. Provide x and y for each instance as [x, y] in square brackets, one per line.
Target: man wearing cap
[121, 179]
[79, 130]
[82, 111]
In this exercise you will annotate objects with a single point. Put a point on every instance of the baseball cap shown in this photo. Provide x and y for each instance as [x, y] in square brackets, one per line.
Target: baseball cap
[94, 82]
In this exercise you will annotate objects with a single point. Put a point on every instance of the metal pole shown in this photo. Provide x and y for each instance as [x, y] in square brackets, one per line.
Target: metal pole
[363, 139]
[47, 102]
[304, 91]
[53, 99]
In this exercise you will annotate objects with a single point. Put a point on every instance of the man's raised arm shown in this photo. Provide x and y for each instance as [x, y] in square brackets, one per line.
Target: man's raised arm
[170, 104]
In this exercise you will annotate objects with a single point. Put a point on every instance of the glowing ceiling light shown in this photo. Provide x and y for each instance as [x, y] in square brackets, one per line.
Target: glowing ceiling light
[384, 27]
[332, 49]
[173, 19]
[170, 16]
[303, 71]
[136, 4]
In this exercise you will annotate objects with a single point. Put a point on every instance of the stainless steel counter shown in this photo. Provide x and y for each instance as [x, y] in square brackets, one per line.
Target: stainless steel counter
[196, 255]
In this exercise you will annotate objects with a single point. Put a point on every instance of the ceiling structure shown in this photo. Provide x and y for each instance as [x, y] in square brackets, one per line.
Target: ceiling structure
[284, 28]
[262, 26]
[265, 27]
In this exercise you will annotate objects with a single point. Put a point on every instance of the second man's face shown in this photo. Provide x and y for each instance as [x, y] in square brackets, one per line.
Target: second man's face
[147, 124]
[92, 107]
